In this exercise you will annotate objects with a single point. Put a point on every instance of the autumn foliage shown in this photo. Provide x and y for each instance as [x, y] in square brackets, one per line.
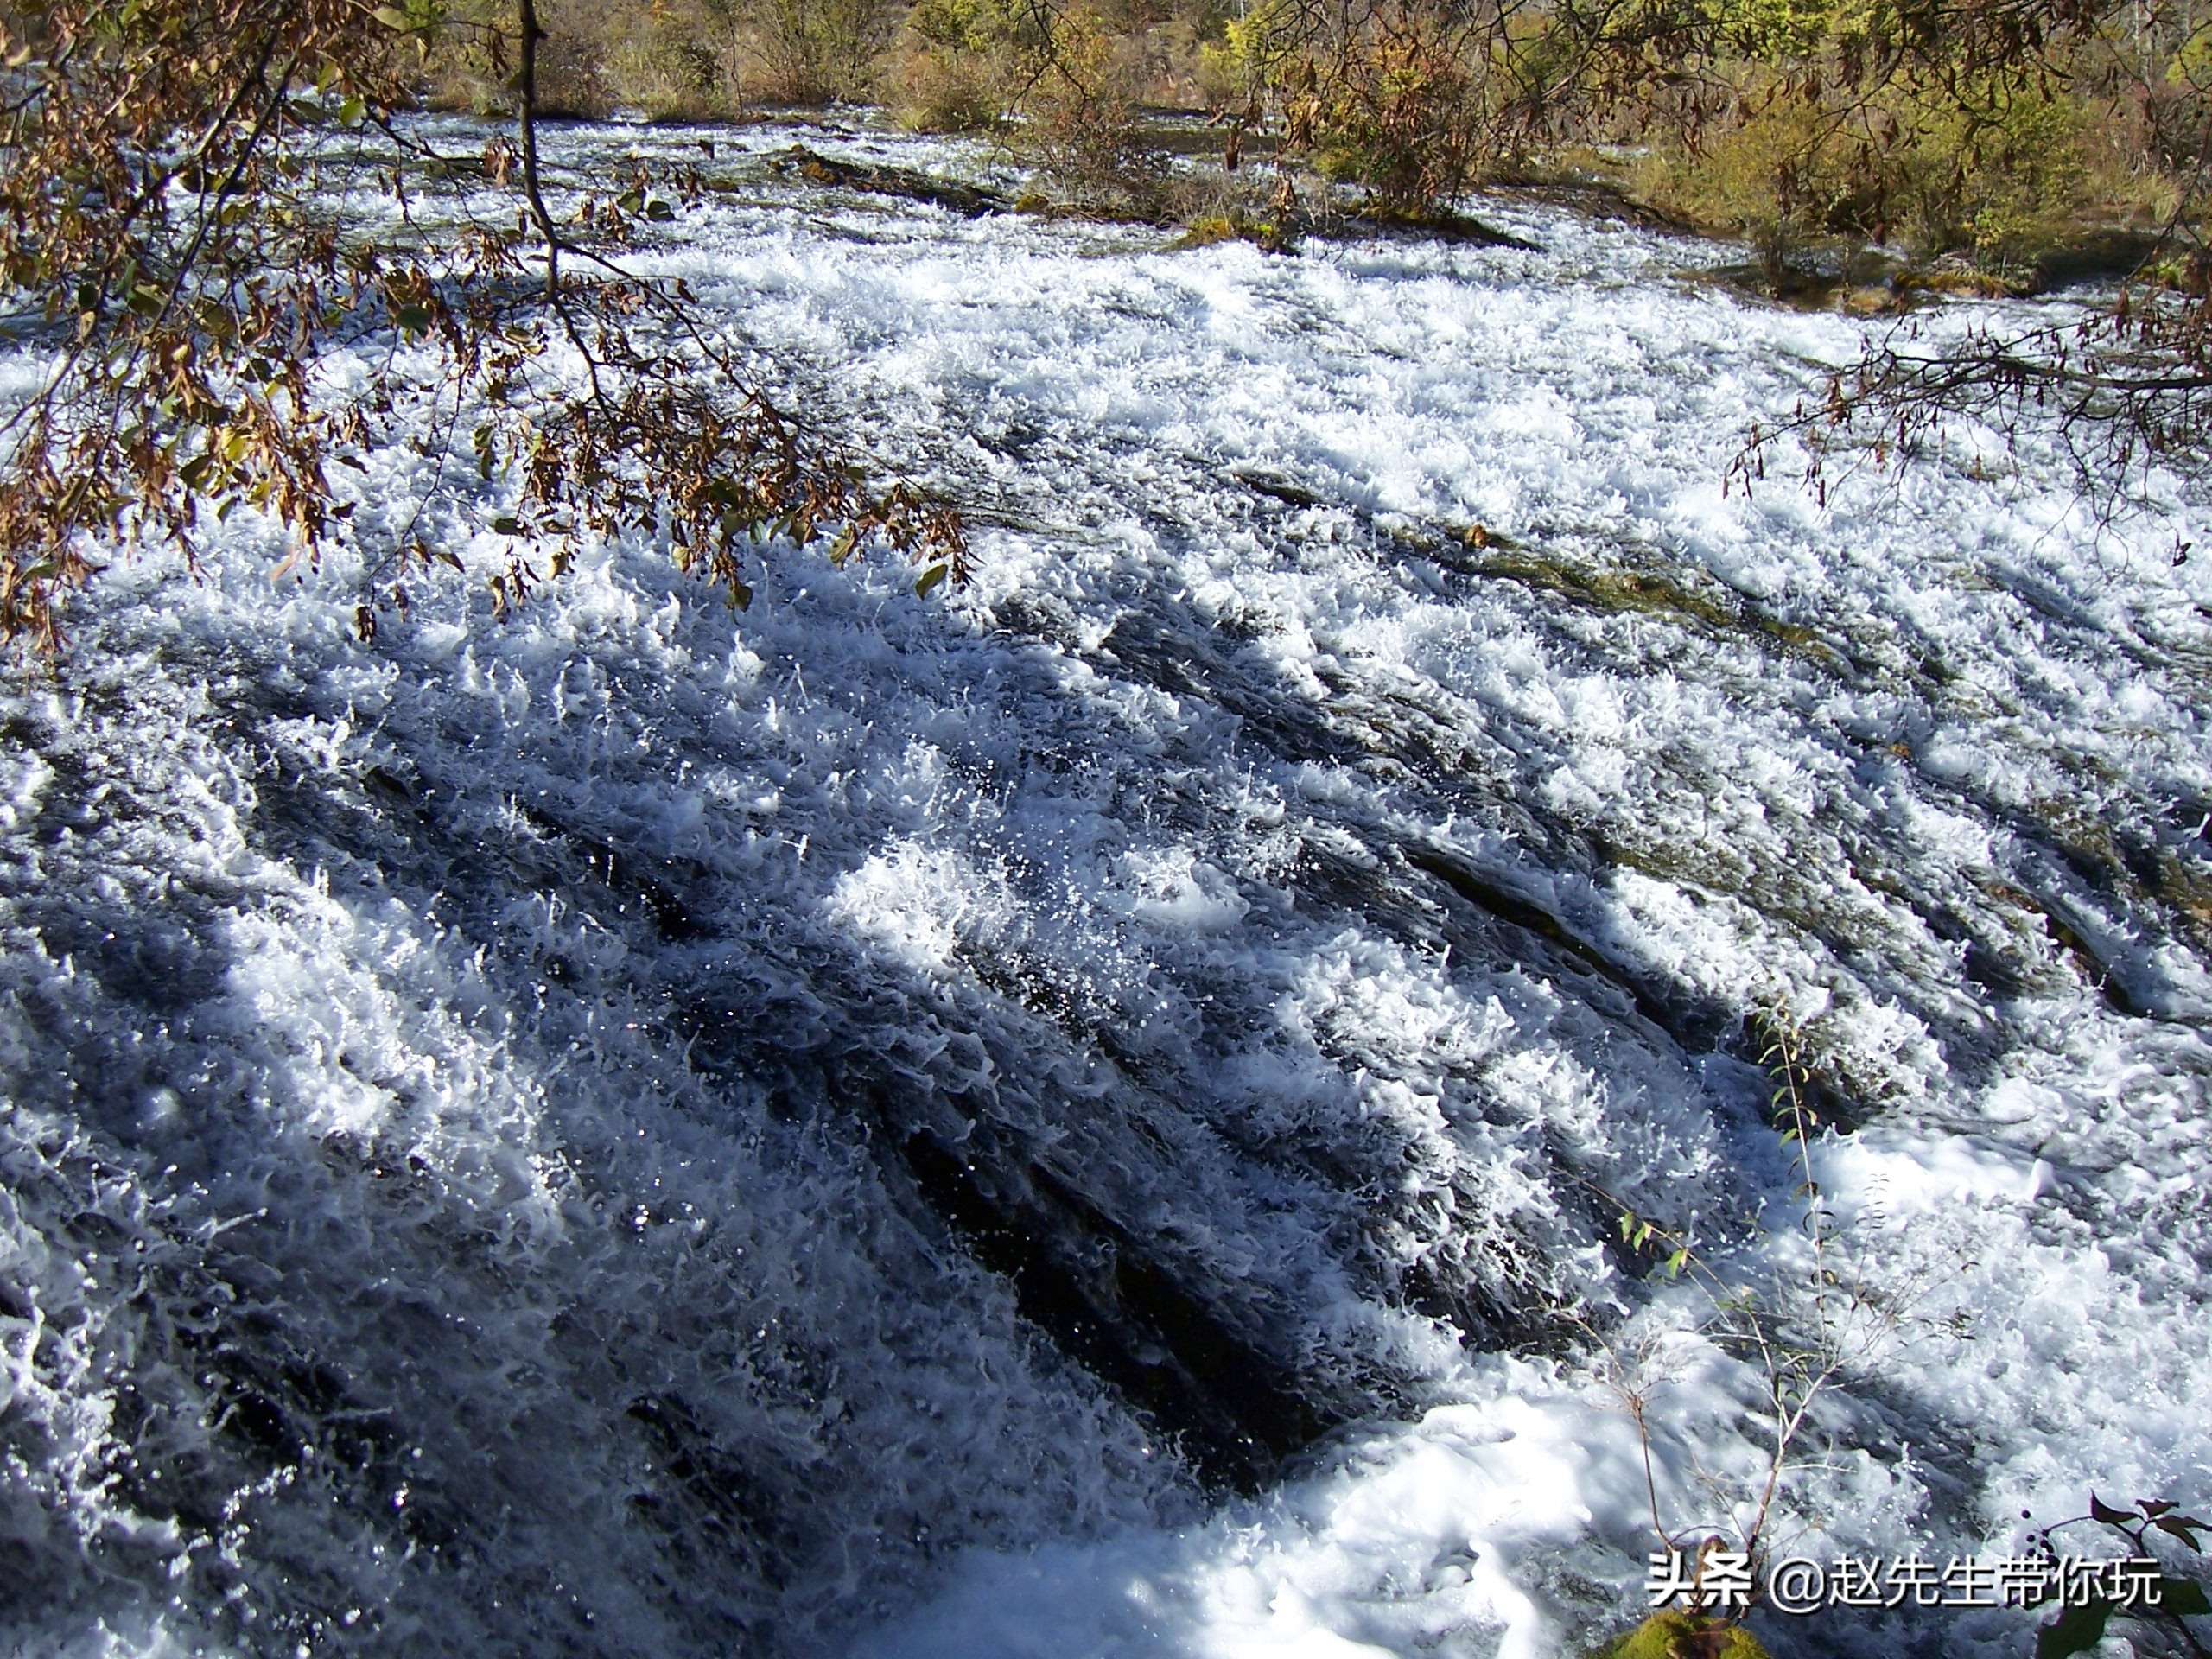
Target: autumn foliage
[182, 180]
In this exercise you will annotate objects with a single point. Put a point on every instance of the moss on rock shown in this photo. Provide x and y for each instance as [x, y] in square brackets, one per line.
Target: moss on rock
[1672, 1635]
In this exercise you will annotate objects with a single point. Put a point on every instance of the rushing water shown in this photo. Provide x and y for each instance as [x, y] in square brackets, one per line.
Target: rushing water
[1086, 1115]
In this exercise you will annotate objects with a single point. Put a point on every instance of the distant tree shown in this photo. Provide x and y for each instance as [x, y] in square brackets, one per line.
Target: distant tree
[185, 238]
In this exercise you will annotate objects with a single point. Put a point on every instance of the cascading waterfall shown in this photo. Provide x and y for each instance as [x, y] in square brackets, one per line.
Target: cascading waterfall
[1087, 1114]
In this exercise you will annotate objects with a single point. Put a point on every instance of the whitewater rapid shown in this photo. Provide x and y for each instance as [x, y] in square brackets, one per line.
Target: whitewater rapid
[1087, 1113]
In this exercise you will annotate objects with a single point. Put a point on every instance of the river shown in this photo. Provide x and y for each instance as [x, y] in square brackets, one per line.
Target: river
[1091, 1113]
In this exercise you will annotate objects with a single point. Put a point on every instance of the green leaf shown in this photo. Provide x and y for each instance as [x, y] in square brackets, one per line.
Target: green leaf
[507, 526]
[393, 18]
[930, 577]
[2075, 1631]
[659, 212]
[2101, 1511]
[741, 597]
[2181, 1527]
[2183, 1596]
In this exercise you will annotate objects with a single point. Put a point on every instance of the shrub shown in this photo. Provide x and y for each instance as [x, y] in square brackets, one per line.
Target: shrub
[943, 91]
[1410, 100]
[804, 52]
[2001, 174]
[1402, 119]
[963, 71]
[1998, 170]
[1080, 121]
[469, 61]
[1779, 178]
[659, 62]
